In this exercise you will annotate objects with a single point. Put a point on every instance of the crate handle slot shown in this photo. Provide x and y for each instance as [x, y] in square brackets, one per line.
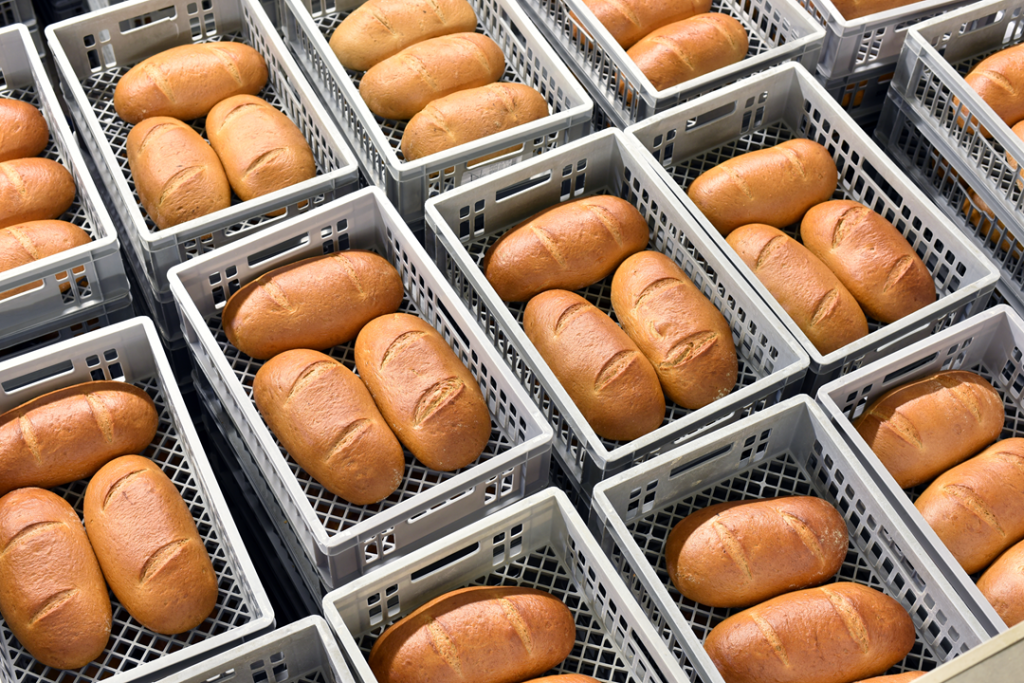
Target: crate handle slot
[445, 561]
[148, 19]
[37, 376]
[685, 467]
[906, 369]
[279, 249]
[709, 117]
[522, 186]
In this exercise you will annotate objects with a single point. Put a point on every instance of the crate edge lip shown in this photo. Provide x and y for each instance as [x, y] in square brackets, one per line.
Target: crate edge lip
[860, 25]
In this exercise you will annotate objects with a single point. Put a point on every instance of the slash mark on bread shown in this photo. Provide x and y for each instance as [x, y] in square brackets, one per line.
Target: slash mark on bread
[772, 637]
[54, 603]
[118, 485]
[966, 496]
[30, 530]
[733, 547]
[517, 622]
[434, 398]
[160, 557]
[852, 619]
[444, 645]
[567, 315]
[401, 341]
[612, 368]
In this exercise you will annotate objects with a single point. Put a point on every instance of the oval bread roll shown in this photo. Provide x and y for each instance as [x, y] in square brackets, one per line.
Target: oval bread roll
[830, 634]
[679, 331]
[33, 190]
[186, 81]
[484, 634]
[922, 428]
[379, 29]
[607, 377]
[315, 303]
[870, 257]
[470, 115]
[690, 48]
[775, 186]
[30, 242]
[1002, 584]
[906, 677]
[568, 246]
[855, 9]
[999, 80]
[326, 419]
[52, 593]
[23, 130]
[630, 20]
[977, 508]
[68, 434]
[429, 398]
[148, 546]
[564, 678]
[402, 85]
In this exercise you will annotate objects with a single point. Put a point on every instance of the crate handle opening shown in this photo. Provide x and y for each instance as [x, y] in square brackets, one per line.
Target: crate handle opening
[143, 20]
[278, 249]
[710, 116]
[679, 469]
[906, 369]
[522, 186]
[223, 677]
[37, 376]
[445, 561]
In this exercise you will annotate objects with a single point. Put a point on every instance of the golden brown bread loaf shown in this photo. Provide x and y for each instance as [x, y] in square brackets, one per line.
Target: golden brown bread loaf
[855, 9]
[870, 257]
[379, 29]
[922, 428]
[1002, 584]
[148, 546]
[906, 677]
[718, 555]
[68, 434]
[23, 130]
[568, 246]
[470, 115]
[315, 303]
[830, 634]
[52, 593]
[690, 48]
[977, 508]
[807, 290]
[484, 634]
[678, 330]
[611, 382]
[429, 398]
[402, 85]
[564, 678]
[177, 175]
[630, 20]
[35, 240]
[775, 186]
[999, 80]
[33, 190]
[326, 419]
[186, 81]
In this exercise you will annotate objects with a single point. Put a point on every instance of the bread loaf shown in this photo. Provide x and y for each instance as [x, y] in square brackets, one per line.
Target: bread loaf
[186, 81]
[315, 303]
[922, 428]
[690, 48]
[30, 242]
[568, 246]
[429, 398]
[630, 20]
[148, 546]
[23, 130]
[855, 9]
[326, 419]
[177, 175]
[895, 678]
[564, 678]
[831, 634]
[401, 86]
[379, 29]
[718, 555]
[68, 434]
[52, 594]
[1002, 584]
[775, 186]
[807, 290]
[678, 330]
[33, 190]
[999, 80]
[870, 257]
[484, 634]
[977, 508]
[605, 374]
[470, 115]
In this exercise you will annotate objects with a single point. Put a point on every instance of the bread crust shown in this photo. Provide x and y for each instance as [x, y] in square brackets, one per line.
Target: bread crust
[688, 49]
[34, 190]
[33, 241]
[23, 130]
[630, 20]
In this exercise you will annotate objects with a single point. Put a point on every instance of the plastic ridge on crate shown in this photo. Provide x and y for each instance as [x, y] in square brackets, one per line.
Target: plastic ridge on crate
[785, 103]
[788, 449]
[347, 540]
[989, 344]
[862, 94]
[94, 51]
[463, 224]
[130, 352]
[528, 60]
[68, 327]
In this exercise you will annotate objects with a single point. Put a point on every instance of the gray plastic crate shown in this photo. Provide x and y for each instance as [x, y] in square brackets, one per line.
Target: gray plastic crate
[778, 31]
[131, 352]
[537, 543]
[862, 94]
[94, 51]
[346, 540]
[308, 25]
[785, 103]
[463, 224]
[68, 327]
[21, 12]
[788, 449]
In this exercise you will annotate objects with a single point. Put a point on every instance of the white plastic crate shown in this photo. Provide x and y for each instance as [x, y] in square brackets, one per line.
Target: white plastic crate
[862, 94]
[309, 24]
[785, 103]
[463, 224]
[94, 51]
[131, 352]
[788, 449]
[21, 12]
[68, 327]
[346, 540]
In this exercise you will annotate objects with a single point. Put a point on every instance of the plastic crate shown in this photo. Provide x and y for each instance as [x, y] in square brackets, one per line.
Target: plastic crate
[778, 31]
[68, 327]
[94, 51]
[862, 94]
[528, 60]
[789, 449]
[989, 344]
[347, 540]
[21, 12]
[785, 103]
[131, 352]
